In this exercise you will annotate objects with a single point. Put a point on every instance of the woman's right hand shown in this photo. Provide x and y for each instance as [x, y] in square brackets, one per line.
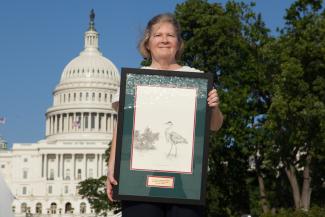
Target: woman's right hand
[109, 184]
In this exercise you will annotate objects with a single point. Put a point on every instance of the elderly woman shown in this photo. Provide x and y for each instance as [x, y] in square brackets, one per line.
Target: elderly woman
[163, 45]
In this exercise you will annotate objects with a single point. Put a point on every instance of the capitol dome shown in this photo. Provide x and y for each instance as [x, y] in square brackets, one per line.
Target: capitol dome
[82, 100]
[87, 67]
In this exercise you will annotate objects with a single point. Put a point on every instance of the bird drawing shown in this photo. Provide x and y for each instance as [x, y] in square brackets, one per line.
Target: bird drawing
[173, 139]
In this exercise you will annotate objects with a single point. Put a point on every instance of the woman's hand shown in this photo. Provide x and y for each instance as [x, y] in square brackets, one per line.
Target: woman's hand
[109, 184]
[216, 115]
[213, 99]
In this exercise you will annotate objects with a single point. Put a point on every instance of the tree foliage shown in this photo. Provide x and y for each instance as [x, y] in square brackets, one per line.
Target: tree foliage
[297, 113]
[272, 94]
[231, 42]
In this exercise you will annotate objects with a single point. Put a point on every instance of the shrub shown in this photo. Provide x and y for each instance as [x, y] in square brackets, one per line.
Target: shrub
[313, 212]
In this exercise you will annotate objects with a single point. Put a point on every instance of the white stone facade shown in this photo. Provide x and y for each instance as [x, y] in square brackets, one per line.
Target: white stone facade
[44, 176]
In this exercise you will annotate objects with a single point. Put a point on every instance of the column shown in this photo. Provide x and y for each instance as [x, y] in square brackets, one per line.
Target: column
[99, 122]
[58, 160]
[85, 166]
[103, 125]
[62, 122]
[58, 124]
[49, 130]
[96, 121]
[46, 165]
[66, 122]
[105, 122]
[82, 123]
[100, 165]
[47, 126]
[73, 167]
[62, 166]
[73, 120]
[97, 165]
[89, 121]
[42, 165]
[52, 128]
[54, 124]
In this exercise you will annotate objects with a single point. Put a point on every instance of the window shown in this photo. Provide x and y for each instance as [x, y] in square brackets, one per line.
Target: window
[23, 207]
[93, 97]
[38, 208]
[67, 174]
[68, 208]
[51, 174]
[25, 174]
[90, 173]
[3, 166]
[13, 209]
[53, 208]
[50, 189]
[66, 189]
[25, 160]
[79, 174]
[83, 208]
[24, 191]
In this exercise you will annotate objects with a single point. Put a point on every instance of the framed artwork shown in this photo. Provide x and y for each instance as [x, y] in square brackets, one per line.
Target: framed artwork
[162, 136]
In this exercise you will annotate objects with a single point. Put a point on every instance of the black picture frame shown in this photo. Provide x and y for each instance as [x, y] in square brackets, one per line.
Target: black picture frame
[144, 169]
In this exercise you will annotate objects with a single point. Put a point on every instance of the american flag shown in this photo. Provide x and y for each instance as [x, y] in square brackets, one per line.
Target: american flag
[2, 120]
[76, 124]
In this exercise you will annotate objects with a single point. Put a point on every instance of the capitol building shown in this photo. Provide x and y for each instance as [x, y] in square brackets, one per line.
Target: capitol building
[43, 176]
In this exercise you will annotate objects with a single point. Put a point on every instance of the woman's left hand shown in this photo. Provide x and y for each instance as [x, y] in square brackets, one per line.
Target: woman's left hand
[213, 99]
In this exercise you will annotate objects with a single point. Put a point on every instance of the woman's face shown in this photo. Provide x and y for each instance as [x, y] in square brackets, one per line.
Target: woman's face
[163, 42]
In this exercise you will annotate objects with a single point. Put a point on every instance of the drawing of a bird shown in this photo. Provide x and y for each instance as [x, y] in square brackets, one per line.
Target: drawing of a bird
[173, 139]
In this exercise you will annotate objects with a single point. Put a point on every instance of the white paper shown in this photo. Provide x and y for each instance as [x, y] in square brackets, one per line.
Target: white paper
[163, 134]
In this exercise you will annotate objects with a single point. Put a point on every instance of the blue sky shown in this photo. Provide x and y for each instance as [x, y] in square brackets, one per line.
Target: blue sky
[38, 38]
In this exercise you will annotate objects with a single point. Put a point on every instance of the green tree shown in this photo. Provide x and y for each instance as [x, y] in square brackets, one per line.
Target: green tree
[231, 43]
[297, 113]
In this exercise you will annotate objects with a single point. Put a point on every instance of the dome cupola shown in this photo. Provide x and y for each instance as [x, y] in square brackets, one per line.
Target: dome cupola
[82, 100]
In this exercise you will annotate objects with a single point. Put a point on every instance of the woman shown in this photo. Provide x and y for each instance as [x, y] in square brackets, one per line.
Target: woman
[162, 43]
